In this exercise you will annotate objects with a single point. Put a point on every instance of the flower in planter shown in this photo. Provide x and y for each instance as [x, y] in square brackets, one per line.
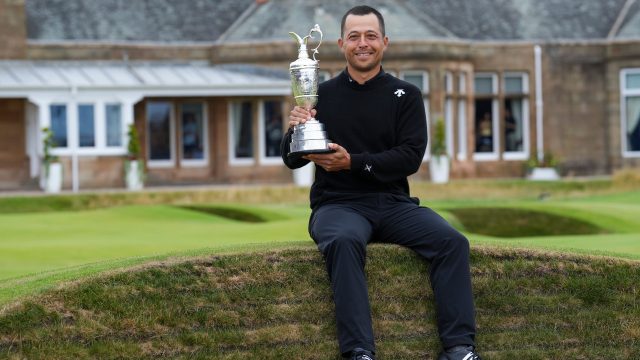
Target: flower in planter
[133, 147]
[134, 167]
[439, 145]
[48, 143]
[548, 161]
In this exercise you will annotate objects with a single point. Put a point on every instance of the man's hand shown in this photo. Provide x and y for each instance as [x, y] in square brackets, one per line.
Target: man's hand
[300, 115]
[339, 160]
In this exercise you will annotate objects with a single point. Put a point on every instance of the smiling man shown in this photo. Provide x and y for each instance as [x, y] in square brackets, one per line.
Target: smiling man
[361, 193]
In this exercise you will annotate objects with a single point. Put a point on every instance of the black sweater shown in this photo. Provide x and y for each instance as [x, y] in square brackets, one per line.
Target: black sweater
[381, 123]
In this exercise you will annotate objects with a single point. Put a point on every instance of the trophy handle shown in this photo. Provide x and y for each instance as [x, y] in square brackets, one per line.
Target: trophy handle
[316, 28]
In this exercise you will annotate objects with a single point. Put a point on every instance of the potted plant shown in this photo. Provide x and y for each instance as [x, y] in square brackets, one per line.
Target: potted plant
[439, 164]
[543, 170]
[51, 180]
[134, 167]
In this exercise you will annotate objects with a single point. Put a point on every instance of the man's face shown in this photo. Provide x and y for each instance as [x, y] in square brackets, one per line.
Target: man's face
[362, 42]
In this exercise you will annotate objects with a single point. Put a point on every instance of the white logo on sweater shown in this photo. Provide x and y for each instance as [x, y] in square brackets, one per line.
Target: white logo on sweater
[399, 92]
[367, 167]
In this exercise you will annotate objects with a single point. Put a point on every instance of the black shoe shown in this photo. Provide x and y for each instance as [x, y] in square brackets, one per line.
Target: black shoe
[361, 354]
[459, 353]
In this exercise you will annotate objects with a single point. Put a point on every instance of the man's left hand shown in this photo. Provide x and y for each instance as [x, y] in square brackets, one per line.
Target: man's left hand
[336, 161]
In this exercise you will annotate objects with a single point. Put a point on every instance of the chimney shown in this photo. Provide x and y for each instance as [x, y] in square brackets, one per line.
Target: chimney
[13, 29]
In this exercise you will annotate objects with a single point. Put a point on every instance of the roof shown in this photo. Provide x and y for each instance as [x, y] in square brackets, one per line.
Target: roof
[127, 20]
[236, 79]
[275, 19]
[631, 25]
[246, 20]
[524, 19]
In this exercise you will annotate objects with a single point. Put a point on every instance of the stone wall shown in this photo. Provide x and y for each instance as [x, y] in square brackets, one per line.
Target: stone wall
[13, 29]
[576, 108]
[14, 162]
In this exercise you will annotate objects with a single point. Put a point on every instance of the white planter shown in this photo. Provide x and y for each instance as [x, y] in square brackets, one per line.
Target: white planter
[439, 168]
[304, 176]
[133, 176]
[53, 178]
[544, 173]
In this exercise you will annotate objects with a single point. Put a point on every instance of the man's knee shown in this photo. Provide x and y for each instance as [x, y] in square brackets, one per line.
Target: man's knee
[345, 240]
[454, 241]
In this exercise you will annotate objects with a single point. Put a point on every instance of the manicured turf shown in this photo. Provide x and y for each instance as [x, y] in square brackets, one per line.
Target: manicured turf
[277, 305]
[216, 291]
[41, 249]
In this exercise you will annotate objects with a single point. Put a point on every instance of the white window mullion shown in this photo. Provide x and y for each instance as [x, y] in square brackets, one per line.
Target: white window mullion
[449, 125]
[462, 130]
[73, 130]
[100, 124]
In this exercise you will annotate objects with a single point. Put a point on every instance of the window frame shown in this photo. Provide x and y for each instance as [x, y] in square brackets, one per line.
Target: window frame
[495, 117]
[204, 162]
[425, 78]
[100, 147]
[123, 131]
[462, 116]
[95, 125]
[158, 164]
[524, 96]
[449, 112]
[624, 94]
[262, 144]
[425, 98]
[232, 159]
[59, 150]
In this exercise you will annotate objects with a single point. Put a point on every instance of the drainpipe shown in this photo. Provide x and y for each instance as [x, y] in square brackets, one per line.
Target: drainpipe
[539, 103]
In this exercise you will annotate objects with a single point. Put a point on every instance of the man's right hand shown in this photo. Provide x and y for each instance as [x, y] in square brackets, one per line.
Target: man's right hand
[300, 115]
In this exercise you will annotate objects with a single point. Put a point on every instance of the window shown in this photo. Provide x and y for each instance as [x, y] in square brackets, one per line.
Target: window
[86, 126]
[516, 116]
[486, 115]
[159, 130]
[462, 117]
[421, 80]
[271, 131]
[193, 133]
[113, 114]
[241, 133]
[630, 112]
[59, 124]
[323, 76]
[417, 78]
[448, 111]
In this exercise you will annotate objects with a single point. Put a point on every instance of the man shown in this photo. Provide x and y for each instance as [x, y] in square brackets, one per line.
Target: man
[361, 193]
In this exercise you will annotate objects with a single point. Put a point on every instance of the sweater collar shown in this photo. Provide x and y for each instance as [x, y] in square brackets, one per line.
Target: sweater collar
[367, 84]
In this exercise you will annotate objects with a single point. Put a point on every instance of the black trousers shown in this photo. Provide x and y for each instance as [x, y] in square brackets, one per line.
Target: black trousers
[343, 226]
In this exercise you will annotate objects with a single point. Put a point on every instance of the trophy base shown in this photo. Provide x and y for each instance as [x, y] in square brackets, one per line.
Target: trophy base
[301, 153]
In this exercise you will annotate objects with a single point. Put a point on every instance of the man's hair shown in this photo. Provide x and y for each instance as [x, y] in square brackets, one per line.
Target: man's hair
[360, 11]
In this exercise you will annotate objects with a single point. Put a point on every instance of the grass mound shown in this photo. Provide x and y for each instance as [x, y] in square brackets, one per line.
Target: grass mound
[514, 222]
[277, 305]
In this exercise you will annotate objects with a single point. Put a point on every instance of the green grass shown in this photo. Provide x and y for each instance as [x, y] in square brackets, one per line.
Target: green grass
[277, 305]
[69, 242]
[40, 249]
[516, 222]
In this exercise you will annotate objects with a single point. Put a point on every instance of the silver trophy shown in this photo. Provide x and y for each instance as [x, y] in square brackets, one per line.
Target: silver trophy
[310, 137]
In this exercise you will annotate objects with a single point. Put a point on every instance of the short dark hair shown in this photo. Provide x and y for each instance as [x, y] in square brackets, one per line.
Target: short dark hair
[362, 10]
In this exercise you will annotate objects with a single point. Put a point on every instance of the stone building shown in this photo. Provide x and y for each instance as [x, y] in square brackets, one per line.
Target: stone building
[206, 83]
